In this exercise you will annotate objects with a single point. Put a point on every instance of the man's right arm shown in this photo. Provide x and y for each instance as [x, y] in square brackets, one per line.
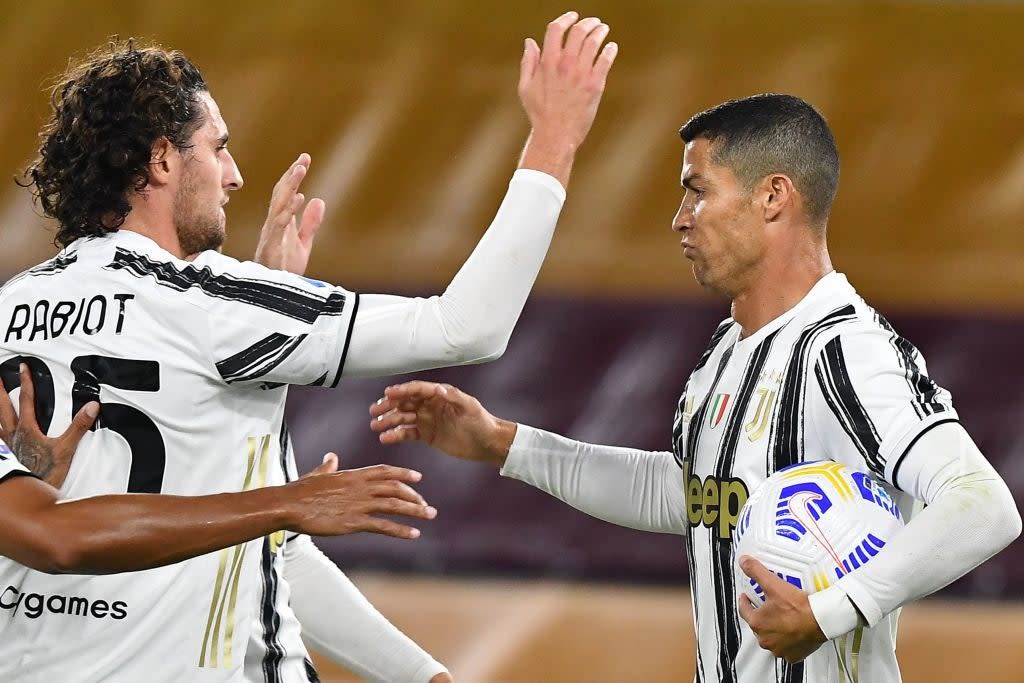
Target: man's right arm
[131, 532]
[473, 319]
[632, 488]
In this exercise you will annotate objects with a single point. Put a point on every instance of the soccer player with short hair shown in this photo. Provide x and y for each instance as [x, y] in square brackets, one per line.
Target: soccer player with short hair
[804, 369]
[190, 353]
[117, 533]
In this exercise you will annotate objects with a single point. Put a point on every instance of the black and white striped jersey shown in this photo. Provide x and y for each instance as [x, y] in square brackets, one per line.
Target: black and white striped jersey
[829, 379]
[189, 361]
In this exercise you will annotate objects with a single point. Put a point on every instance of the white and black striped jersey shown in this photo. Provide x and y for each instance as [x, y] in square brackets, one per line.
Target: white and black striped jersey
[829, 379]
[276, 652]
[189, 361]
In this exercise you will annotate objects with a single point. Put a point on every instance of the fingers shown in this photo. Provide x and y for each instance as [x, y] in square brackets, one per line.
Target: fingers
[329, 465]
[417, 390]
[80, 425]
[392, 419]
[289, 183]
[27, 400]
[397, 506]
[604, 64]
[578, 34]
[380, 406]
[386, 527]
[754, 569]
[8, 418]
[592, 43]
[377, 472]
[528, 65]
[312, 218]
[385, 405]
[399, 435]
[397, 490]
[746, 608]
[554, 37]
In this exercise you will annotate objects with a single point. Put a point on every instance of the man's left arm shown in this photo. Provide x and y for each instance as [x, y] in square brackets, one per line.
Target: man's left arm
[872, 406]
[970, 516]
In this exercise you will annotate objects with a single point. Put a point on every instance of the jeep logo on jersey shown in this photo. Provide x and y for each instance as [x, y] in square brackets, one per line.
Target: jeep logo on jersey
[718, 408]
[714, 503]
[32, 605]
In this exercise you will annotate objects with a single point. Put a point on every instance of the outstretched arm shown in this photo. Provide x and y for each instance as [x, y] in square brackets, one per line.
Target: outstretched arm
[560, 88]
[633, 488]
[116, 533]
[130, 532]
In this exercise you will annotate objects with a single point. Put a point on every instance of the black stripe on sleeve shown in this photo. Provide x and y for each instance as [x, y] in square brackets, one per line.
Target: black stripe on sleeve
[923, 390]
[899, 460]
[270, 351]
[348, 340]
[55, 265]
[841, 396]
[272, 362]
[277, 297]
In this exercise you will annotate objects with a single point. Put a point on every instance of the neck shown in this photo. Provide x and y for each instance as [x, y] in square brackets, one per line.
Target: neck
[145, 220]
[779, 286]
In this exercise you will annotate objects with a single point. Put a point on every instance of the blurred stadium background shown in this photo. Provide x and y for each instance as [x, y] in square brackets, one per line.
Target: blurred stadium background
[410, 113]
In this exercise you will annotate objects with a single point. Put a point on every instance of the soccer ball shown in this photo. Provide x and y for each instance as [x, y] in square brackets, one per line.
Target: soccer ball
[812, 523]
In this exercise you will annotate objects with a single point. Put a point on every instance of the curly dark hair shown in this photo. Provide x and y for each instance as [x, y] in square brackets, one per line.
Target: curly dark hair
[108, 112]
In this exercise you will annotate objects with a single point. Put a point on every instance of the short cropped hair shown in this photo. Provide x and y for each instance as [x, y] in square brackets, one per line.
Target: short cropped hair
[108, 112]
[769, 133]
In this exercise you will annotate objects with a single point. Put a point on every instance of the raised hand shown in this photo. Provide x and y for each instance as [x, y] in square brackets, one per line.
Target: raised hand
[444, 417]
[286, 242]
[332, 503]
[560, 87]
[49, 459]
[784, 624]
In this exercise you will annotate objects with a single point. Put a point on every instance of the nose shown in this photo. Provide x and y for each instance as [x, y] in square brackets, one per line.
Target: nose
[683, 219]
[232, 176]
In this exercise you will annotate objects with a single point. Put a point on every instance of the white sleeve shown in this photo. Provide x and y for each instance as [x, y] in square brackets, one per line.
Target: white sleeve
[10, 466]
[970, 516]
[338, 621]
[262, 326]
[473, 320]
[632, 488]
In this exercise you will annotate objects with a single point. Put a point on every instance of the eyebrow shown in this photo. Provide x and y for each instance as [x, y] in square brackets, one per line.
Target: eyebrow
[688, 180]
[223, 140]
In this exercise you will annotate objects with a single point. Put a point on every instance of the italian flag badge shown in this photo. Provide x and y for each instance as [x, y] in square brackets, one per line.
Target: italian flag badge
[718, 408]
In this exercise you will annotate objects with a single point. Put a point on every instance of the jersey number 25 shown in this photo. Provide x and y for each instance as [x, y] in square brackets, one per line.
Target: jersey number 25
[141, 433]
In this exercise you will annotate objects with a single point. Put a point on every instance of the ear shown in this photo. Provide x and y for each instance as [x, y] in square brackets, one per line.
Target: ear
[777, 193]
[162, 162]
